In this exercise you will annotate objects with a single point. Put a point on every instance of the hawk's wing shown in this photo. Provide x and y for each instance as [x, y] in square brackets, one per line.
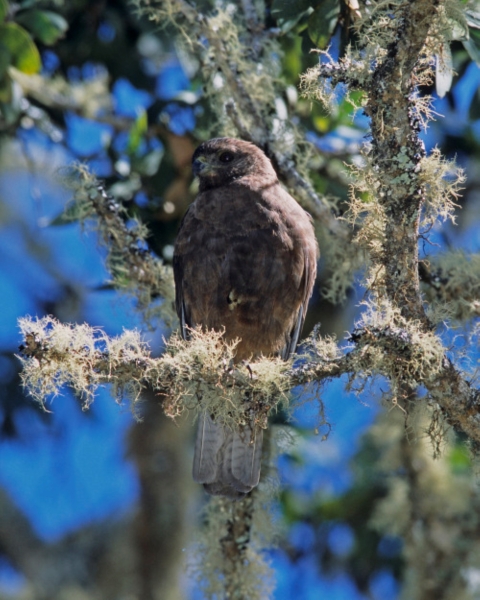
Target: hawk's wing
[182, 312]
[309, 275]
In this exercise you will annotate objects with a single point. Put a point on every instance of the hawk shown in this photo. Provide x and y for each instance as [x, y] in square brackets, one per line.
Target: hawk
[244, 262]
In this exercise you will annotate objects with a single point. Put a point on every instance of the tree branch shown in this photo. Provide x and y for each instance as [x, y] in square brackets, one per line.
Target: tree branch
[129, 260]
[196, 375]
[397, 153]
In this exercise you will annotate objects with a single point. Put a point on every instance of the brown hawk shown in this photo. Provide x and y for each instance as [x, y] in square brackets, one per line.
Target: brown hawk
[245, 261]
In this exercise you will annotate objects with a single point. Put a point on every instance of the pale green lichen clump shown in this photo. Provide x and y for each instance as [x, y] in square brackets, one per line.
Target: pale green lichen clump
[80, 357]
[195, 375]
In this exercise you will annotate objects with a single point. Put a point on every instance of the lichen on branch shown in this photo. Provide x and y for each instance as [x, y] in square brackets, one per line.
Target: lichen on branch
[398, 187]
[451, 282]
[199, 374]
[132, 265]
[194, 375]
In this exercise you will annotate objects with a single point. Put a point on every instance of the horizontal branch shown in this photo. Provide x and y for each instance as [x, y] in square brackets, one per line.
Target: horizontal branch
[199, 375]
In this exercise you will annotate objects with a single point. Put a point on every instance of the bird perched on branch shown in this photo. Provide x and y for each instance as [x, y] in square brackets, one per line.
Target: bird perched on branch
[245, 261]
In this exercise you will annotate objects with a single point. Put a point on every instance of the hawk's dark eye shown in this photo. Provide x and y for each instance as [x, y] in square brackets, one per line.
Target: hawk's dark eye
[226, 157]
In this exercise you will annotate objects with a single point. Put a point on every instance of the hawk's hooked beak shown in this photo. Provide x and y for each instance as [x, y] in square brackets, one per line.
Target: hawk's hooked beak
[200, 166]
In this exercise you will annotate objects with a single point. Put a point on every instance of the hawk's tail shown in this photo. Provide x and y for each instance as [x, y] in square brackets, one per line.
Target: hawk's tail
[227, 461]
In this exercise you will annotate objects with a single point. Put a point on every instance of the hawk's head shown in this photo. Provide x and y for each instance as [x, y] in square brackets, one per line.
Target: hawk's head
[221, 161]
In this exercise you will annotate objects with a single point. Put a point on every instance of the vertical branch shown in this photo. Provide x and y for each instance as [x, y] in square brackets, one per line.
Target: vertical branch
[431, 505]
[158, 448]
[441, 533]
[230, 565]
[397, 152]
[235, 543]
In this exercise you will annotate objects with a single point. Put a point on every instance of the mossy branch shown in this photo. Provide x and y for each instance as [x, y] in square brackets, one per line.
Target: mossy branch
[397, 152]
[132, 266]
[195, 375]
[232, 564]
[431, 503]
[198, 375]
[404, 187]
[399, 191]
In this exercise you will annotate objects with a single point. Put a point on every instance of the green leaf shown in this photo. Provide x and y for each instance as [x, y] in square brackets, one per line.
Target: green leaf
[321, 123]
[475, 36]
[472, 50]
[3, 10]
[444, 70]
[284, 10]
[473, 18]
[46, 26]
[25, 55]
[292, 62]
[11, 98]
[137, 132]
[27, 4]
[288, 13]
[459, 459]
[323, 21]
